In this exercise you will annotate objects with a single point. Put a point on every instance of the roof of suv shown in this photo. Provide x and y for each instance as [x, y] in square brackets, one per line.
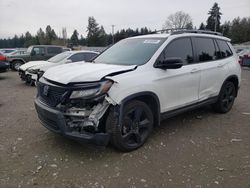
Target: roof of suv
[183, 33]
[47, 46]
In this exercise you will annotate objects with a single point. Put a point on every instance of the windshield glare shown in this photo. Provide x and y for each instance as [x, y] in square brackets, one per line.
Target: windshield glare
[133, 51]
[58, 58]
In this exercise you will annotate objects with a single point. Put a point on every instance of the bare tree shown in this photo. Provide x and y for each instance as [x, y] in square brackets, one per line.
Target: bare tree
[64, 35]
[178, 20]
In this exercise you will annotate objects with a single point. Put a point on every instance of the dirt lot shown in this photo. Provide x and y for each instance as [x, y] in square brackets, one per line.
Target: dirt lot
[195, 149]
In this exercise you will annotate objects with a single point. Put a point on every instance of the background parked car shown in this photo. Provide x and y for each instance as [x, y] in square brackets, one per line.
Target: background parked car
[66, 49]
[29, 72]
[244, 57]
[18, 52]
[34, 53]
[7, 51]
[4, 65]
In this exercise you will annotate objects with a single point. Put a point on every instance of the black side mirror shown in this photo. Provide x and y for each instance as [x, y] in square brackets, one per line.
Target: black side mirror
[170, 63]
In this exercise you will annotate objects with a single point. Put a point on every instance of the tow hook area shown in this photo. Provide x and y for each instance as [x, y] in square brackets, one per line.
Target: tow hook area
[86, 119]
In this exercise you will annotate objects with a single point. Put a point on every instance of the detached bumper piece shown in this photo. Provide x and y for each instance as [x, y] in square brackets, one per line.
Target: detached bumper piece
[55, 121]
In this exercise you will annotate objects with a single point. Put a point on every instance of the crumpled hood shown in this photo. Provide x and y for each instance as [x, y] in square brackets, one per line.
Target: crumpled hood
[83, 72]
[30, 64]
[44, 67]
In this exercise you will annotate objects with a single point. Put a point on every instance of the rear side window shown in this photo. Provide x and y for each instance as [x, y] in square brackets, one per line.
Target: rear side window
[90, 56]
[54, 50]
[205, 49]
[225, 51]
[77, 57]
[180, 48]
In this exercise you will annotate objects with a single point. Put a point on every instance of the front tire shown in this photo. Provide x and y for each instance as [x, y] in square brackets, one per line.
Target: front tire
[16, 64]
[226, 98]
[136, 126]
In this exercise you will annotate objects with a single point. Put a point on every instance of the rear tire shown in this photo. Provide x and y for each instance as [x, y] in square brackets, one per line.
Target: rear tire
[226, 98]
[136, 126]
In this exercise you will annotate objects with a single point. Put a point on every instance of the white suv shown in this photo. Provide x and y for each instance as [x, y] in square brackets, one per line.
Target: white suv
[129, 88]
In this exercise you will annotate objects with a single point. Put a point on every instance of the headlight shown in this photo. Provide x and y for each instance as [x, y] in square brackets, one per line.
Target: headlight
[102, 88]
[33, 71]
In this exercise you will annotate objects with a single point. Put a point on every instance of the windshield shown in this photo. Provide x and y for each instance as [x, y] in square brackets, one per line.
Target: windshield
[58, 58]
[29, 49]
[134, 51]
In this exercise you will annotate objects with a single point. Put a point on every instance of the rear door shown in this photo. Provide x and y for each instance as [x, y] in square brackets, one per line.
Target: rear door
[212, 68]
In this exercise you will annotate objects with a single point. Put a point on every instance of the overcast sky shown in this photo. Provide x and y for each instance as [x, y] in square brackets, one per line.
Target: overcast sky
[19, 16]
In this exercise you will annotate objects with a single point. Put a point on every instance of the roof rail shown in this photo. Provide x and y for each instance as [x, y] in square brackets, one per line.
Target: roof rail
[168, 30]
[196, 31]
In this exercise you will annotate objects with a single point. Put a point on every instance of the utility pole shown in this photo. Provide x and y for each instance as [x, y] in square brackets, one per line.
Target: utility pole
[113, 39]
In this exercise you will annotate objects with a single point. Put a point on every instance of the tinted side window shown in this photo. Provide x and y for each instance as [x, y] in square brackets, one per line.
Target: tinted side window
[205, 49]
[39, 50]
[180, 48]
[225, 51]
[90, 56]
[54, 50]
[77, 57]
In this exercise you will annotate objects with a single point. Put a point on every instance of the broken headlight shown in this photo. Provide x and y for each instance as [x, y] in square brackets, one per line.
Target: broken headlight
[103, 87]
[33, 71]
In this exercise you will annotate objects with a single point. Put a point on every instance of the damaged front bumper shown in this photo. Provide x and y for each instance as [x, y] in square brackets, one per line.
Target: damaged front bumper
[31, 78]
[22, 75]
[73, 122]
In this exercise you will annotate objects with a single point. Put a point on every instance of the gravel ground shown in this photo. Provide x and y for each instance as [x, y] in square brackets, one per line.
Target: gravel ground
[196, 149]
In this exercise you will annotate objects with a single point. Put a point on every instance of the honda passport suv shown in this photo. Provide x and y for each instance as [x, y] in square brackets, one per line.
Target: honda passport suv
[128, 89]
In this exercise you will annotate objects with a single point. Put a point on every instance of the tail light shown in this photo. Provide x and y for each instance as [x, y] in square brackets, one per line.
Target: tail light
[246, 56]
[3, 58]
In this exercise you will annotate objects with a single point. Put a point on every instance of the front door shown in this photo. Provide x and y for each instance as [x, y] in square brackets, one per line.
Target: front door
[38, 53]
[177, 87]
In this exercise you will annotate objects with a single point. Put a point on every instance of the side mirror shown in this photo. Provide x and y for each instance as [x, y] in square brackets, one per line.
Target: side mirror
[170, 63]
[68, 61]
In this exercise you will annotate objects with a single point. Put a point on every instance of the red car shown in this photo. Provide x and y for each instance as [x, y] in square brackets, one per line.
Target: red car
[244, 56]
[2, 57]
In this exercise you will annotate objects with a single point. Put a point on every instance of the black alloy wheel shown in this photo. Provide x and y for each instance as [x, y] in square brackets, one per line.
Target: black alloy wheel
[226, 98]
[137, 124]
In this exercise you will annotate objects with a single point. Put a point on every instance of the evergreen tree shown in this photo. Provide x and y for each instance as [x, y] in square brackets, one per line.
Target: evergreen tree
[102, 37]
[202, 26]
[82, 41]
[29, 40]
[213, 21]
[50, 35]
[41, 36]
[93, 32]
[74, 38]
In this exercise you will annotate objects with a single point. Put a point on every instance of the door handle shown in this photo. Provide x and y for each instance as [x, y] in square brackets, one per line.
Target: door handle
[194, 70]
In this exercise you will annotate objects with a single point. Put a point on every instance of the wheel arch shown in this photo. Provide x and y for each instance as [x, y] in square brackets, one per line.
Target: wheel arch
[235, 80]
[13, 60]
[149, 98]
